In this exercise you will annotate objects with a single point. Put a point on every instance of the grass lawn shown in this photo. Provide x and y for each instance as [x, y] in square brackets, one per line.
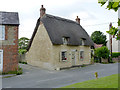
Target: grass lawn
[104, 82]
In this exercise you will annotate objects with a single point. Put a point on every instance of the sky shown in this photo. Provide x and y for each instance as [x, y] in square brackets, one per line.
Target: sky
[93, 16]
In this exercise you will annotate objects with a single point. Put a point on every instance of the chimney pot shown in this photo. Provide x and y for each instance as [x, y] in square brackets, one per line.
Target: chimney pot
[78, 20]
[42, 6]
[42, 11]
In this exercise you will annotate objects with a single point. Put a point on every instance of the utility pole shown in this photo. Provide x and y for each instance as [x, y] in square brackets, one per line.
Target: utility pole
[119, 28]
[110, 37]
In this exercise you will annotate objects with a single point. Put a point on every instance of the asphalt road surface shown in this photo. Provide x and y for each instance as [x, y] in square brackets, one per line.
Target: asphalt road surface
[34, 77]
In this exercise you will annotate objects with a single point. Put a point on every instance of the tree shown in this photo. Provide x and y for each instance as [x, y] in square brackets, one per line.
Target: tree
[115, 32]
[114, 6]
[23, 44]
[98, 38]
[102, 52]
[111, 4]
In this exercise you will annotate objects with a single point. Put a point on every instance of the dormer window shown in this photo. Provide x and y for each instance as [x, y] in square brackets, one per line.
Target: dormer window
[2, 32]
[82, 41]
[65, 40]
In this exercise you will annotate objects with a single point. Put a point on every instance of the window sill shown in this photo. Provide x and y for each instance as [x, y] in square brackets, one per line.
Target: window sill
[64, 60]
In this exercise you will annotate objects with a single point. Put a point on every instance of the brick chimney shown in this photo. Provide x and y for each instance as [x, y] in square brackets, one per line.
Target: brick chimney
[42, 11]
[77, 20]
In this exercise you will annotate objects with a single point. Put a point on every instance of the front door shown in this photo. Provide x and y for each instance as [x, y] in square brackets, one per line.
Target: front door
[1, 60]
[73, 58]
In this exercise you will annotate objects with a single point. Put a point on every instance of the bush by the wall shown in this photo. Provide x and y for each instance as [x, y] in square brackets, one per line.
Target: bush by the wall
[102, 52]
[115, 54]
[17, 72]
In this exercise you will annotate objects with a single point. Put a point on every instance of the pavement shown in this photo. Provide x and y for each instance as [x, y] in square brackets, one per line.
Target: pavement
[35, 77]
[7, 75]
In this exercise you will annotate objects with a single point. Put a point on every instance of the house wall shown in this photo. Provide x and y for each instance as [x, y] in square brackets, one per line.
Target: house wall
[60, 64]
[119, 46]
[115, 45]
[40, 51]
[43, 53]
[10, 48]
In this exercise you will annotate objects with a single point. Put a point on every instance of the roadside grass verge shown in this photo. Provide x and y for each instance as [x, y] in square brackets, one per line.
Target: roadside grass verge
[17, 72]
[103, 82]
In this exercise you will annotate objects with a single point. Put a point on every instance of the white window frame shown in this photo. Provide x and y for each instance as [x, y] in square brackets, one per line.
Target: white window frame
[3, 32]
[1, 60]
[65, 40]
[80, 55]
[65, 56]
[82, 41]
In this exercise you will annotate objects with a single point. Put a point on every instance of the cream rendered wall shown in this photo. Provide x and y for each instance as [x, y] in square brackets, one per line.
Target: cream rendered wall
[40, 51]
[46, 55]
[115, 45]
[58, 48]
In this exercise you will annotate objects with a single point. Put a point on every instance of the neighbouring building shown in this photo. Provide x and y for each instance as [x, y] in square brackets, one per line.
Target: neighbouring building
[113, 43]
[9, 24]
[58, 43]
[97, 45]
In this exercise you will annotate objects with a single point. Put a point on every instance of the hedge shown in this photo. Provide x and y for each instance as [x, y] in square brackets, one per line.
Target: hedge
[115, 54]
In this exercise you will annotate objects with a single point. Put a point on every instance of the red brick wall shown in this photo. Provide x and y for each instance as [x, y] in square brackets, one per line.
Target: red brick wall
[10, 52]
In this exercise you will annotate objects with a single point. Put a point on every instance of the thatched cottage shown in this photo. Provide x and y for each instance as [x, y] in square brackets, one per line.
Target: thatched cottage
[58, 43]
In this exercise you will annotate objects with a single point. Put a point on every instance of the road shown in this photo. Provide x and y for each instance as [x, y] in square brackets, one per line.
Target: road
[34, 77]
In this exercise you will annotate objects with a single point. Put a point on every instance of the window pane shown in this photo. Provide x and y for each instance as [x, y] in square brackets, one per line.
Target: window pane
[65, 40]
[81, 55]
[64, 55]
[2, 32]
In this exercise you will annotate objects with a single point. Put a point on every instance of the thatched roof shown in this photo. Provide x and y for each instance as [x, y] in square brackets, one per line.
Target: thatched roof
[58, 28]
[9, 18]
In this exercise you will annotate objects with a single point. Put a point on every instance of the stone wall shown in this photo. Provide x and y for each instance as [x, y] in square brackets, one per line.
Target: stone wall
[117, 59]
[57, 63]
[21, 58]
[43, 53]
[39, 53]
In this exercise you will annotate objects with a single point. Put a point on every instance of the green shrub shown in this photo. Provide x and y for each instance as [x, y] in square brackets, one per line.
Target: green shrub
[22, 51]
[17, 72]
[22, 62]
[102, 52]
[115, 54]
[104, 62]
[83, 65]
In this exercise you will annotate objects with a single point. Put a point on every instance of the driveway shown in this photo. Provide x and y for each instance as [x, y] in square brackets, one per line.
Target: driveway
[34, 77]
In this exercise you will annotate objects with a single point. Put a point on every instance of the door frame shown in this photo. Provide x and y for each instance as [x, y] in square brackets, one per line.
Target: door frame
[1, 60]
[73, 50]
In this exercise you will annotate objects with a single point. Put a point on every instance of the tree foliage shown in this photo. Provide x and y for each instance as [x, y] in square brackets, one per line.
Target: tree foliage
[111, 4]
[23, 44]
[114, 5]
[22, 51]
[99, 38]
[102, 52]
[113, 31]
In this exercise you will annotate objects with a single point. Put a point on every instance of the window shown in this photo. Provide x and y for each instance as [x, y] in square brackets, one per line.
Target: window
[2, 32]
[82, 42]
[64, 55]
[81, 55]
[65, 40]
